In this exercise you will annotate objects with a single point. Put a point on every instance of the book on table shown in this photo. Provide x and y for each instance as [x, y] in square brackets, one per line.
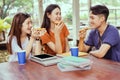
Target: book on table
[72, 63]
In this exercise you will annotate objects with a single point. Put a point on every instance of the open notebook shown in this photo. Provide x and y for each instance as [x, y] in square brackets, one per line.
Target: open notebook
[69, 54]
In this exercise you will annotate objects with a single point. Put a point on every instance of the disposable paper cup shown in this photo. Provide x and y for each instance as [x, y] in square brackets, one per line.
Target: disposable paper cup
[21, 57]
[74, 51]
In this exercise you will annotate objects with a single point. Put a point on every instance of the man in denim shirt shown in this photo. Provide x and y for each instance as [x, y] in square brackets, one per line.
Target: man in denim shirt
[104, 37]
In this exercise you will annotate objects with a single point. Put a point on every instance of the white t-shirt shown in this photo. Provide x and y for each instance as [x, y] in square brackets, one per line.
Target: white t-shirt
[16, 48]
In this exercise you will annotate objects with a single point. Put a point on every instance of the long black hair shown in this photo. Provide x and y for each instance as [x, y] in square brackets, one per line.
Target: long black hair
[46, 21]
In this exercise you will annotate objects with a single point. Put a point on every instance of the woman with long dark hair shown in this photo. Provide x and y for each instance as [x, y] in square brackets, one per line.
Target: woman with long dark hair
[55, 39]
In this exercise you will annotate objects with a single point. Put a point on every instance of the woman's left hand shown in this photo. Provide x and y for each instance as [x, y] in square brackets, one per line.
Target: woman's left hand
[38, 33]
[42, 32]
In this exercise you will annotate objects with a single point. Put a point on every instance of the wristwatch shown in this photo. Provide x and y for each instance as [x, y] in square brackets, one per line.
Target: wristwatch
[37, 39]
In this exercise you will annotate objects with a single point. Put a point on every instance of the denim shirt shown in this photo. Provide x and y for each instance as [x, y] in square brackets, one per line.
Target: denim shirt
[111, 37]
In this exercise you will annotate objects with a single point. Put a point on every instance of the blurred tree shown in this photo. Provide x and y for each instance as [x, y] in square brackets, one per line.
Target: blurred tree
[68, 18]
[64, 1]
[107, 2]
[7, 5]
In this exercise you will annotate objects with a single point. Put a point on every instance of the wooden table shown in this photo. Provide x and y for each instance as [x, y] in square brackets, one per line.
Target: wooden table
[101, 70]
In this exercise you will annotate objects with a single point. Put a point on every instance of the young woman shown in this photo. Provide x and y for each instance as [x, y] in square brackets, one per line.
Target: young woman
[22, 37]
[55, 39]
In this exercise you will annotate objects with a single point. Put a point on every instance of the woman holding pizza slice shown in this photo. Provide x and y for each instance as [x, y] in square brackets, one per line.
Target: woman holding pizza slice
[55, 39]
[23, 37]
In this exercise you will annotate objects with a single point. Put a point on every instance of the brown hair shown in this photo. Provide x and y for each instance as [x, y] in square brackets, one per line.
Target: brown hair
[15, 30]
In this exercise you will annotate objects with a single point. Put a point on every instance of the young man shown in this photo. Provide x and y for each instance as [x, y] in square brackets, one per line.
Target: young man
[104, 37]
